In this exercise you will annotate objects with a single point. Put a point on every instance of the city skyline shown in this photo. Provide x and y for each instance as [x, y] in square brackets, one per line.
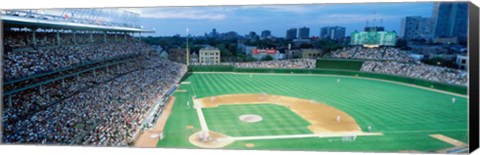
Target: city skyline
[168, 21]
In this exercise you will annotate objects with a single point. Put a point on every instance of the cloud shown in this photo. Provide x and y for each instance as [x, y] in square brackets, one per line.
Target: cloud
[354, 18]
[199, 13]
[298, 9]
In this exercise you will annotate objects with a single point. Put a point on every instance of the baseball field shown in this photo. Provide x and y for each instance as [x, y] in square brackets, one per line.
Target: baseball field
[314, 112]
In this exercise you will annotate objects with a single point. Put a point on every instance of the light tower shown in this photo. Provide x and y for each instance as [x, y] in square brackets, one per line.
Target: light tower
[188, 53]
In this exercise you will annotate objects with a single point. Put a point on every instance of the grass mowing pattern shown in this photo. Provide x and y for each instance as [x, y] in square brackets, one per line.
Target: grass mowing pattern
[176, 131]
[406, 115]
[277, 120]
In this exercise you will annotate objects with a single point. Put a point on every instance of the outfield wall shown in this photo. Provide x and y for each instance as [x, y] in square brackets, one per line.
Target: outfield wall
[344, 64]
[419, 82]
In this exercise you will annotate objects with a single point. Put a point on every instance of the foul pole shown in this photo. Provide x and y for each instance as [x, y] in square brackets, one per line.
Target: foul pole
[188, 53]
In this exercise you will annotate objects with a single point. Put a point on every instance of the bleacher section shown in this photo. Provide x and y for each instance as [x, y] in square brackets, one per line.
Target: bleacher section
[90, 88]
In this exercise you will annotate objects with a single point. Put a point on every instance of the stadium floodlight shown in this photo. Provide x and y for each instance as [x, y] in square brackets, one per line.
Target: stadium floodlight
[188, 53]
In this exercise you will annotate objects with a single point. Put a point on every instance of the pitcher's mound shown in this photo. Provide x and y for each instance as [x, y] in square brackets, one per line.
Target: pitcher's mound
[215, 140]
[250, 118]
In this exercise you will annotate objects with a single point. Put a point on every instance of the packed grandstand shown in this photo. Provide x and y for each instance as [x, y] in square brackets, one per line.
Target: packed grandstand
[106, 106]
[82, 89]
[384, 60]
[286, 64]
[389, 60]
[96, 88]
[382, 53]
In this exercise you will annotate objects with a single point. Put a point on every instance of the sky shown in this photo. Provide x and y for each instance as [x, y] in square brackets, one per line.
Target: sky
[168, 21]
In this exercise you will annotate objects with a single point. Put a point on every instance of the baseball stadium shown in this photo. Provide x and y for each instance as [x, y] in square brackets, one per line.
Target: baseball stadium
[314, 109]
[82, 77]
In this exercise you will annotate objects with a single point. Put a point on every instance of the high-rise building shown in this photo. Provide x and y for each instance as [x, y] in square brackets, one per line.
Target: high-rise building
[332, 32]
[450, 19]
[252, 35]
[416, 27]
[291, 34]
[374, 28]
[266, 33]
[214, 33]
[304, 33]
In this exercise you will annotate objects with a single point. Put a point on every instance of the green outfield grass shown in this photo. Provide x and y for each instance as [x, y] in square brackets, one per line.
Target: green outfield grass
[277, 120]
[406, 115]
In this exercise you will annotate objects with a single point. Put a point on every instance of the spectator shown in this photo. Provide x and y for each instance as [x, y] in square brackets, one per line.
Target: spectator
[419, 71]
[103, 109]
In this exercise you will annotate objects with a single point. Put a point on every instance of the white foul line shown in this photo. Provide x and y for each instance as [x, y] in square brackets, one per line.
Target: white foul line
[201, 118]
[306, 136]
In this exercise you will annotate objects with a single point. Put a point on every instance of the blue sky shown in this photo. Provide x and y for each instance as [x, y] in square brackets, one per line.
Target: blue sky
[167, 21]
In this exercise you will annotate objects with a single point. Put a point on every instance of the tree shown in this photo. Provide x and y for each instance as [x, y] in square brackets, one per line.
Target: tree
[402, 44]
[438, 61]
[164, 44]
[195, 48]
[328, 45]
[268, 58]
[303, 46]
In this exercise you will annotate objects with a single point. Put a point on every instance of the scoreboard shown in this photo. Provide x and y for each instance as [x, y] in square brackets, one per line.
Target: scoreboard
[374, 38]
[262, 53]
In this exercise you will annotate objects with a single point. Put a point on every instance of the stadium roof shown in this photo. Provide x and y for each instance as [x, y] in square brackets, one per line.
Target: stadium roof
[45, 23]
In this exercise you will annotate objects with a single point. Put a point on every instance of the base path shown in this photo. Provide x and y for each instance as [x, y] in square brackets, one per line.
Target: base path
[150, 137]
[322, 117]
[458, 145]
[325, 121]
[201, 118]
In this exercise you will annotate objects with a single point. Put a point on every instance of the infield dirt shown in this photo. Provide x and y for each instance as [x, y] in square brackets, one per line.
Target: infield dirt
[322, 117]
[150, 137]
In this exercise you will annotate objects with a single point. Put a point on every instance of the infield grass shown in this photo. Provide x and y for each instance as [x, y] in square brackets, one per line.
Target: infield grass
[277, 120]
[406, 115]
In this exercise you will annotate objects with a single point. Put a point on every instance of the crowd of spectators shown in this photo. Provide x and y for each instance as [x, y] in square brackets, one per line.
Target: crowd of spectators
[16, 40]
[103, 110]
[24, 39]
[288, 63]
[389, 60]
[18, 64]
[383, 53]
[107, 107]
[420, 71]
